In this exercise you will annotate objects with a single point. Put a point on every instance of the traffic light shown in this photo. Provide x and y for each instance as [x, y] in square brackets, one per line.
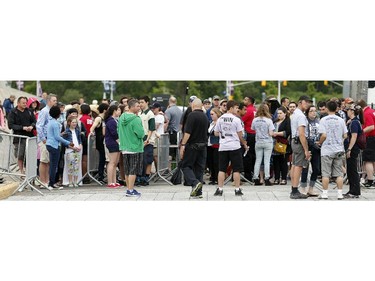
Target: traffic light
[325, 83]
[263, 83]
[285, 83]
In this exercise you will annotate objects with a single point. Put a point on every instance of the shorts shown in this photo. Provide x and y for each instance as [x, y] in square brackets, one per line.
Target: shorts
[332, 165]
[232, 156]
[148, 154]
[20, 148]
[113, 148]
[133, 164]
[44, 154]
[368, 154]
[299, 157]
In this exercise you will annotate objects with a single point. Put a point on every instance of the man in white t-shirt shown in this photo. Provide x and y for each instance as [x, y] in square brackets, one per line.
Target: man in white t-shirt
[159, 119]
[333, 132]
[230, 129]
[159, 126]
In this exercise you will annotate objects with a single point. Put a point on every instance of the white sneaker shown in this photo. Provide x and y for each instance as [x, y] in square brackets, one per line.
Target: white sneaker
[61, 187]
[50, 188]
[340, 196]
[323, 196]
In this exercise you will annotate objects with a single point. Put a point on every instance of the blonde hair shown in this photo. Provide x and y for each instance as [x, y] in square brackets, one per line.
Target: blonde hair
[263, 111]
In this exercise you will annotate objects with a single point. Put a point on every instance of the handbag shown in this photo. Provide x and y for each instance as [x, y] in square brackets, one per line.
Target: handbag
[280, 147]
[361, 141]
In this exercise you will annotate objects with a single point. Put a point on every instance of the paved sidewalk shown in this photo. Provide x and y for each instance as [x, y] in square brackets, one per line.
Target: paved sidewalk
[161, 191]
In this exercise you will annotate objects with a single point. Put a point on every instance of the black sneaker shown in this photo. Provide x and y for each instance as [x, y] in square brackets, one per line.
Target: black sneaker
[298, 195]
[267, 182]
[238, 192]
[257, 182]
[196, 190]
[348, 195]
[218, 192]
[369, 185]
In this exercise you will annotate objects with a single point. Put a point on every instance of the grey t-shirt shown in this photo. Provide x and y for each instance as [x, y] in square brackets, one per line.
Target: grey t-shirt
[334, 127]
[173, 114]
[262, 126]
[299, 119]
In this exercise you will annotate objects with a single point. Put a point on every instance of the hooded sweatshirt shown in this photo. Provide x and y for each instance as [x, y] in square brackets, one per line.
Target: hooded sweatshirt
[131, 133]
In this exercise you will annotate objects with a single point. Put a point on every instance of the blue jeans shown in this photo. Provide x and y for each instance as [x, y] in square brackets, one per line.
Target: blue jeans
[54, 155]
[263, 150]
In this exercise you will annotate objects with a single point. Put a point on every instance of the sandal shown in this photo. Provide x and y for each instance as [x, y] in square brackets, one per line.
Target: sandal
[283, 182]
[276, 182]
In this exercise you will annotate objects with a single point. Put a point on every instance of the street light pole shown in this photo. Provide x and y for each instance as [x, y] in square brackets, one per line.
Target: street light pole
[279, 91]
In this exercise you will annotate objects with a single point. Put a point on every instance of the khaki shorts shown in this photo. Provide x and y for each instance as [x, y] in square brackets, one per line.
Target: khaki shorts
[299, 157]
[332, 165]
[44, 154]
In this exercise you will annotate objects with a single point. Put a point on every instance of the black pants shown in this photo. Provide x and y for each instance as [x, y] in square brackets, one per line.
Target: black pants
[193, 165]
[213, 162]
[173, 141]
[315, 165]
[280, 164]
[249, 159]
[101, 163]
[352, 172]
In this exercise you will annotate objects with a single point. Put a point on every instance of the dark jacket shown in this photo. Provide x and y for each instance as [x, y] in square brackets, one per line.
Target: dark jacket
[68, 135]
[286, 128]
[18, 119]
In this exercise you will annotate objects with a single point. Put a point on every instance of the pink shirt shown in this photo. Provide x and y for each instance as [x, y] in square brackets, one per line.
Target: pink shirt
[2, 123]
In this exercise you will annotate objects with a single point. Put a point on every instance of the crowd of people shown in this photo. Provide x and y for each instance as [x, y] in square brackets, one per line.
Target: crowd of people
[266, 144]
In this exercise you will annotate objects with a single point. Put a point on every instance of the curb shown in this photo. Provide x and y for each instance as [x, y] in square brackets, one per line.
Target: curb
[8, 189]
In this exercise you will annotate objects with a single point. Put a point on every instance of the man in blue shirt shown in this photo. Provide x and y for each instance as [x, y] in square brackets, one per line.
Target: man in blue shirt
[8, 105]
[41, 127]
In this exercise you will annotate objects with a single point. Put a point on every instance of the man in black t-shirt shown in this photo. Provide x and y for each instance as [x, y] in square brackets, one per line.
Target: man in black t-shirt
[22, 121]
[193, 150]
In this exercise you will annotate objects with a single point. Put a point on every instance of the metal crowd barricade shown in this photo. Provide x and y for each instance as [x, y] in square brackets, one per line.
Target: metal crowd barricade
[11, 147]
[92, 159]
[163, 163]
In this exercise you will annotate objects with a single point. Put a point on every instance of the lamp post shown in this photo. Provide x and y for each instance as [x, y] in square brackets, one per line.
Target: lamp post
[109, 87]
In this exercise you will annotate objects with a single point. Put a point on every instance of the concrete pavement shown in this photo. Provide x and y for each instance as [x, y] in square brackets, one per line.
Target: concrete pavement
[161, 191]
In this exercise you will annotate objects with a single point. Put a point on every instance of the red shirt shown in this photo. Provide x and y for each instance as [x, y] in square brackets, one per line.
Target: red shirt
[248, 118]
[87, 121]
[369, 116]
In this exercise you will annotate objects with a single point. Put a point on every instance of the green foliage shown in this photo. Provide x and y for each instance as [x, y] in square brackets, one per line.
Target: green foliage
[70, 95]
[90, 90]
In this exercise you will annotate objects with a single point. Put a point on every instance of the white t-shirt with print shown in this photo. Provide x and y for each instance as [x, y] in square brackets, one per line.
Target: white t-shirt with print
[228, 125]
[334, 127]
[262, 126]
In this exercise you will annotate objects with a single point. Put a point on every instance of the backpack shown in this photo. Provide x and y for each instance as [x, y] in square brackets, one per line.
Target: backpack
[361, 139]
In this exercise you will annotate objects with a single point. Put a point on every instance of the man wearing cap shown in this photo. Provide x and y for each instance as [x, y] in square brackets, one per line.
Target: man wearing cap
[215, 103]
[206, 105]
[172, 118]
[300, 148]
[159, 126]
[223, 106]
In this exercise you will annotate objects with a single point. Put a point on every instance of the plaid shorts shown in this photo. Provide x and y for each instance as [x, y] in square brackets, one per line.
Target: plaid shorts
[133, 164]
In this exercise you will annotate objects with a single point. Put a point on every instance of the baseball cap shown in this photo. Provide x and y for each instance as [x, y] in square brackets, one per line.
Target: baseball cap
[216, 97]
[349, 100]
[206, 101]
[223, 100]
[305, 98]
[156, 105]
[192, 98]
